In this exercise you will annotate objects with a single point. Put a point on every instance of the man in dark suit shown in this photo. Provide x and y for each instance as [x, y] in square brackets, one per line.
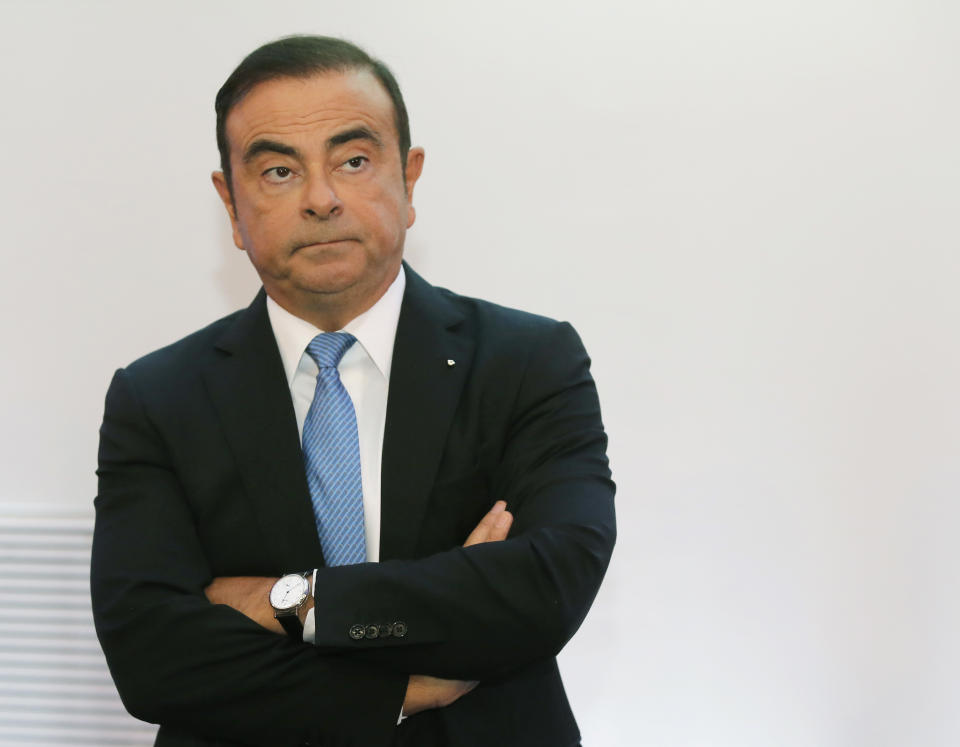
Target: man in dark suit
[468, 420]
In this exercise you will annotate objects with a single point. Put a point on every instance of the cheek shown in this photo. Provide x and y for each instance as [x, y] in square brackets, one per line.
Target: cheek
[263, 209]
[390, 211]
[266, 221]
[263, 212]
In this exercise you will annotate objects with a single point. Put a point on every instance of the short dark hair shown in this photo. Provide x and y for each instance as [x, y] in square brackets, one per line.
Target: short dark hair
[302, 57]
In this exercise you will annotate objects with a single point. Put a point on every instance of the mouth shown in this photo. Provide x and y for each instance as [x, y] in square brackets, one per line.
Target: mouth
[328, 244]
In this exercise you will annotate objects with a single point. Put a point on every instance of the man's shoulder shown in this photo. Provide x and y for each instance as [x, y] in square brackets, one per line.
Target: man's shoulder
[498, 321]
[184, 354]
[503, 339]
[510, 335]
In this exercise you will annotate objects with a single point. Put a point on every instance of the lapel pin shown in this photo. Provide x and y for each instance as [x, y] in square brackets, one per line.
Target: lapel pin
[451, 362]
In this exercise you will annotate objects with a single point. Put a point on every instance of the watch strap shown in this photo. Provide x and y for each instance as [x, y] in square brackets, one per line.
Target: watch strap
[290, 621]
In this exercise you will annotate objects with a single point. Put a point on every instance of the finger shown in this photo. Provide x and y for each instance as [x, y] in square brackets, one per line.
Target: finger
[501, 527]
[453, 690]
[487, 525]
[212, 592]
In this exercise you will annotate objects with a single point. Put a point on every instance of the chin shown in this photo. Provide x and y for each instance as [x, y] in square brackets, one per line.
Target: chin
[331, 279]
[350, 274]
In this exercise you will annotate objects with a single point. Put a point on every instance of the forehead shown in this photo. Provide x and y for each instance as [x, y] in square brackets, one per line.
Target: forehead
[322, 103]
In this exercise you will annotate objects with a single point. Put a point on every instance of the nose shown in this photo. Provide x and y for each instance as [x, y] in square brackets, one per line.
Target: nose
[320, 199]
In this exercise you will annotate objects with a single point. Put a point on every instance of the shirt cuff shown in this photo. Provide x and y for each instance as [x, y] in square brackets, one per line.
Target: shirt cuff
[310, 623]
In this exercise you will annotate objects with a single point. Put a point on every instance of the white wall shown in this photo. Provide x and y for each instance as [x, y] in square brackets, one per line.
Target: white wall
[748, 209]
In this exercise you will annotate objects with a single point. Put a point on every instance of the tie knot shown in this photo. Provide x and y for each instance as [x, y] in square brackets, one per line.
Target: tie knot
[328, 348]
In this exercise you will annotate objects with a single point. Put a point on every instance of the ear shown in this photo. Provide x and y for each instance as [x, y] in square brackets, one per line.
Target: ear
[414, 168]
[220, 184]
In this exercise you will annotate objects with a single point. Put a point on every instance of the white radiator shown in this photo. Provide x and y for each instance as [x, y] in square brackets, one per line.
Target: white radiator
[54, 685]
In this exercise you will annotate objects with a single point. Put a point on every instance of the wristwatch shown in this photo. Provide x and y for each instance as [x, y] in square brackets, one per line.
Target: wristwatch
[287, 597]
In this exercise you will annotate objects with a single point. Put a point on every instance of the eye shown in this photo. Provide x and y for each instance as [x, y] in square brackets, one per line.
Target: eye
[356, 163]
[278, 174]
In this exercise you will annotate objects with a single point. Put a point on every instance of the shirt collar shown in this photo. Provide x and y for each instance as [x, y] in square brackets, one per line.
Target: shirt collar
[375, 330]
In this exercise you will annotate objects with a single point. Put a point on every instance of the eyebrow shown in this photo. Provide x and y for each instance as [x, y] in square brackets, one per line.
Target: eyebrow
[264, 145]
[269, 146]
[356, 133]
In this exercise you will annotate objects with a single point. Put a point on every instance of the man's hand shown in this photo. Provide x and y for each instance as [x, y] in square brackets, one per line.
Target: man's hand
[493, 527]
[247, 594]
[424, 693]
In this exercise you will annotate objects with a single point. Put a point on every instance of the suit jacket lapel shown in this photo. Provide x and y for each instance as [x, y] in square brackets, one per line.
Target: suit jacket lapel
[248, 387]
[424, 391]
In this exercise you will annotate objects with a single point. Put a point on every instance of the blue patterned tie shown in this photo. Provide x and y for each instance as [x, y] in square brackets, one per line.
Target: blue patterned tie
[331, 452]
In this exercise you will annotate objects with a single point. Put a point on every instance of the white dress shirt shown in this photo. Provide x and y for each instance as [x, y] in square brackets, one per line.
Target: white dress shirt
[365, 373]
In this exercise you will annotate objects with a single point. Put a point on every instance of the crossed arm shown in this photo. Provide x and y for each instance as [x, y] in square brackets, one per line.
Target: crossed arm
[249, 595]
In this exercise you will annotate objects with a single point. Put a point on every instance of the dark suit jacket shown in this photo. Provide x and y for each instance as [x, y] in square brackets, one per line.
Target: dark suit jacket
[201, 475]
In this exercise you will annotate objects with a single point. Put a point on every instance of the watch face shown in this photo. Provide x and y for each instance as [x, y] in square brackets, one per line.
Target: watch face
[288, 592]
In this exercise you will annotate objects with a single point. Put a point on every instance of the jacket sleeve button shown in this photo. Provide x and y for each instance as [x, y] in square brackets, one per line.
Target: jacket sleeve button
[356, 632]
[399, 629]
[384, 630]
[371, 631]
